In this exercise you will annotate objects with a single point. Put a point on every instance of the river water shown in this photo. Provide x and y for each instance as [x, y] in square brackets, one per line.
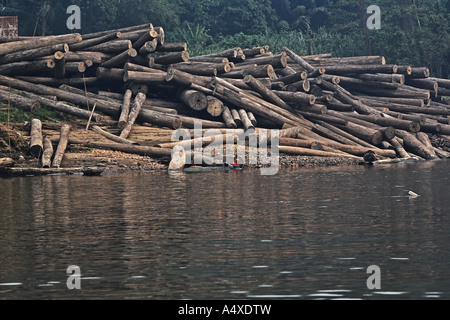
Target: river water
[301, 234]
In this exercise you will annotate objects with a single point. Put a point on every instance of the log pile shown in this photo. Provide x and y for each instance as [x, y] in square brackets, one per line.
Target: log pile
[350, 106]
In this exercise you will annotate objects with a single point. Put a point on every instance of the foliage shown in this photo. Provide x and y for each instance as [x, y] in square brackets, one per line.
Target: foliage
[415, 32]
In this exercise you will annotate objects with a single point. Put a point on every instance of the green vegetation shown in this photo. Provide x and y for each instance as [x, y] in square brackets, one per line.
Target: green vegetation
[415, 32]
[11, 113]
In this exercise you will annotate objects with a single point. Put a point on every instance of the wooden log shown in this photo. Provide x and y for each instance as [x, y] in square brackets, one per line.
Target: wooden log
[75, 67]
[32, 54]
[360, 69]
[423, 137]
[203, 68]
[148, 35]
[296, 97]
[215, 106]
[123, 119]
[102, 105]
[95, 41]
[47, 155]
[148, 47]
[412, 144]
[36, 142]
[319, 60]
[185, 79]
[228, 53]
[178, 160]
[144, 77]
[398, 146]
[111, 136]
[299, 60]
[6, 162]
[120, 59]
[383, 77]
[20, 101]
[193, 99]
[121, 30]
[236, 117]
[265, 92]
[252, 118]
[411, 126]
[134, 113]
[33, 43]
[171, 58]
[172, 47]
[115, 46]
[62, 145]
[228, 118]
[277, 61]
[60, 65]
[132, 149]
[311, 152]
[418, 72]
[248, 125]
[28, 67]
[112, 74]
[354, 150]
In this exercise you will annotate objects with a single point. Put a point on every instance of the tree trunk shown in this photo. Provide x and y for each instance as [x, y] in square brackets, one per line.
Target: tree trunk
[36, 143]
[134, 112]
[48, 153]
[62, 145]
[123, 119]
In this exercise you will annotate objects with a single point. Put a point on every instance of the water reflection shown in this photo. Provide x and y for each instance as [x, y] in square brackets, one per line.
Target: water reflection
[307, 233]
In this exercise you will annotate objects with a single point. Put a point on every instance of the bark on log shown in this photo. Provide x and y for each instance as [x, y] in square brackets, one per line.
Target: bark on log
[134, 113]
[111, 136]
[311, 152]
[115, 46]
[36, 143]
[95, 41]
[133, 149]
[412, 144]
[228, 118]
[47, 155]
[236, 117]
[194, 99]
[62, 145]
[33, 43]
[265, 92]
[248, 125]
[20, 101]
[145, 77]
[123, 119]
[32, 54]
[171, 58]
[120, 59]
[215, 106]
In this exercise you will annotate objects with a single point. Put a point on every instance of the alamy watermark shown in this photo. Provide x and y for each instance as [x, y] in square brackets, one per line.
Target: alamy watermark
[74, 21]
[251, 147]
[374, 21]
[374, 280]
[74, 280]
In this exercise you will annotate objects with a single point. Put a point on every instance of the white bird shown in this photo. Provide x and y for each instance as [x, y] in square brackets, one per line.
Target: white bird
[413, 194]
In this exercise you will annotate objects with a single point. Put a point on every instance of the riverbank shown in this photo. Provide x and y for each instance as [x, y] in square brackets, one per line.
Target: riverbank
[78, 156]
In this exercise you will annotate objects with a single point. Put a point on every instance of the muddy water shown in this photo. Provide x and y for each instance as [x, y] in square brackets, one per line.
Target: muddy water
[306, 234]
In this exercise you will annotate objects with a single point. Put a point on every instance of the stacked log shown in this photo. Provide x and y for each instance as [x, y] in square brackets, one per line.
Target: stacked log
[344, 106]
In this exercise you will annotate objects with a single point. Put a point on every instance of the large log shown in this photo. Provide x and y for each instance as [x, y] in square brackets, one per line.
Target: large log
[33, 43]
[36, 142]
[32, 54]
[120, 59]
[228, 118]
[171, 58]
[20, 101]
[95, 41]
[215, 106]
[28, 67]
[312, 152]
[62, 145]
[412, 144]
[134, 113]
[111, 136]
[351, 149]
[266, 93]
[145, 77]
[47, 155]
[194, 99]
[115, 46]
[123, 119]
